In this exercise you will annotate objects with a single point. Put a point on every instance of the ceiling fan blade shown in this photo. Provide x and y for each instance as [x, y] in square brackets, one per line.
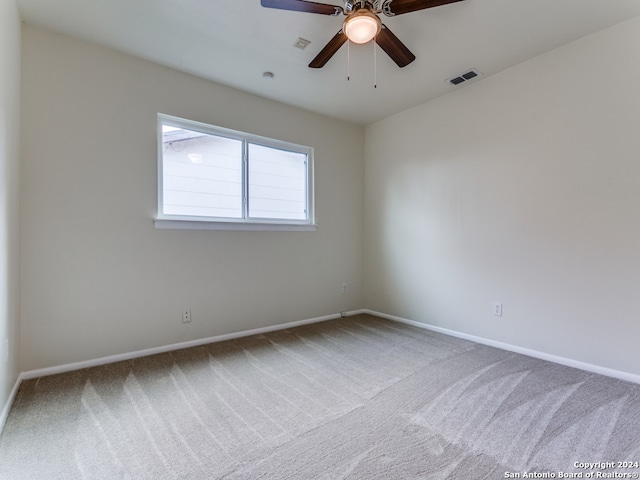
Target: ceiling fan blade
[398, 7]
[329, 50]
[303, 6]
[393, 47]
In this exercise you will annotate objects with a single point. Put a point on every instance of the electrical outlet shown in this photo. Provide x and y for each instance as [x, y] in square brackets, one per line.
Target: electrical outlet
[6, 349]
[186, 315]
[497, 309]
[343, 290]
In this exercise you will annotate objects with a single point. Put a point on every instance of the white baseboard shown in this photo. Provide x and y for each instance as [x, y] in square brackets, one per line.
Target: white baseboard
[609, 372]
[569, 362]
[69, 367]
[7, 407]
[230, 336]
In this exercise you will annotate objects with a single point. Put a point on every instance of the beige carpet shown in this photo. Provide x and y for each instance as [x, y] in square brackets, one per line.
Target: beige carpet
[356, 398]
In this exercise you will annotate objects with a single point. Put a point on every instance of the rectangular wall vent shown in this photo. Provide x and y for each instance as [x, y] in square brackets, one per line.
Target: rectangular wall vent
[464, 77]
[301, 43]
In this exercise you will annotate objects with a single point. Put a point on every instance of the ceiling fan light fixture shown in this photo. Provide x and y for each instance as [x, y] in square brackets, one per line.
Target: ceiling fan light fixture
[362, 26]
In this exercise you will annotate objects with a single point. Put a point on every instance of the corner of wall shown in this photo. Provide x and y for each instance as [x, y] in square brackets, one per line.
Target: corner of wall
[10, 61]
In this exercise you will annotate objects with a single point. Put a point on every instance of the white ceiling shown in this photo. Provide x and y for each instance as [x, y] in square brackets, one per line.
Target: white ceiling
[234, 41]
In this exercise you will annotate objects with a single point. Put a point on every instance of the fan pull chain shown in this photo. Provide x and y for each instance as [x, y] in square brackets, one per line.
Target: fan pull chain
[348, 60]
[375, 65]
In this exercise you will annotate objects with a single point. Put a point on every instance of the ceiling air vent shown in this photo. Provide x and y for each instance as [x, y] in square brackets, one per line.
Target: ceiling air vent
[464, 77]
[301, 43]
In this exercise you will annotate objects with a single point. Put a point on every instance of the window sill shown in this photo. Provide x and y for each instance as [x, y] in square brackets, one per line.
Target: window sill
[164, 224]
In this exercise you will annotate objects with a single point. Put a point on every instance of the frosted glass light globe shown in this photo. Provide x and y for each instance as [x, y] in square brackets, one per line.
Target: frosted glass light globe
[362, 26]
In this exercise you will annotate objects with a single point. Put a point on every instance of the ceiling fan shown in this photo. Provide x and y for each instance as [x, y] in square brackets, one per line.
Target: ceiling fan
[362, 24]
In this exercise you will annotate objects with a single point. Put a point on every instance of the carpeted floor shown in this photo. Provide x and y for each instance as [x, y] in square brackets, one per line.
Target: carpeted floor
[356, 398]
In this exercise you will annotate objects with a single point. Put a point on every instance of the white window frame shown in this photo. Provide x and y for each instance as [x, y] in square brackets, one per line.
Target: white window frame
[169, 221]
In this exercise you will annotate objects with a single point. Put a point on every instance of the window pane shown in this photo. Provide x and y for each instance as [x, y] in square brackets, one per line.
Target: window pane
[213, 174]
[277, 183]
[202, 174]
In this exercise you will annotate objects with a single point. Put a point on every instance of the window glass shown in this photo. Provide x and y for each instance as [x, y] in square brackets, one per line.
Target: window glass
[202, 174]
[211, 174]
[277, 183]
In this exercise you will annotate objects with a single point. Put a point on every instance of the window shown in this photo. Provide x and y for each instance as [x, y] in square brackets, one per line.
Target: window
[210, 177]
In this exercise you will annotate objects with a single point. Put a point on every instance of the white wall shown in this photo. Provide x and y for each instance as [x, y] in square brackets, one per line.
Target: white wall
[97, 278]
[522, 188]
[9, 206]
